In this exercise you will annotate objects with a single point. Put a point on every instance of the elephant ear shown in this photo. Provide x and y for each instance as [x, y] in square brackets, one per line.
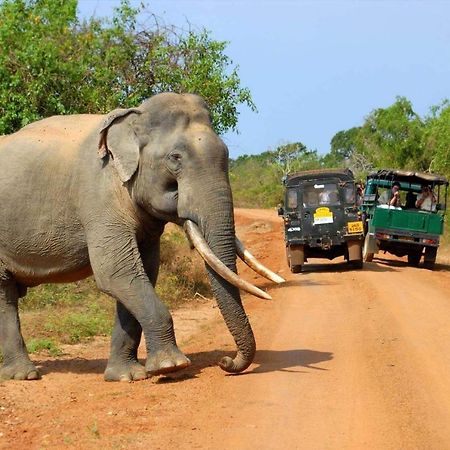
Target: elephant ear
[118, 138]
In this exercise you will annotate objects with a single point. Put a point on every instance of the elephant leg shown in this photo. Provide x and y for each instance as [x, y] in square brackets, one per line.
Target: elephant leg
[170, 359]
[123, 364]
[16, 362]
[120, 273]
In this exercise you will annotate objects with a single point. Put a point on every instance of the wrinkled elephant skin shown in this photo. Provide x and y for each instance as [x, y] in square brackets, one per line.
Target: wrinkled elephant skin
[87, 194]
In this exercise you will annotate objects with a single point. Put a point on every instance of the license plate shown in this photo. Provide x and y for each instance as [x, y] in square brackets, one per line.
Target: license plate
[355, 227]
[406, 238]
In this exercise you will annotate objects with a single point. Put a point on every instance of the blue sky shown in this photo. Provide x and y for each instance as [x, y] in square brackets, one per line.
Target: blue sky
[318, 67]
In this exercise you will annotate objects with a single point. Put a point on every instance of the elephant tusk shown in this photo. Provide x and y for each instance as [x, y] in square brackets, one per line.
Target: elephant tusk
[253, 263]
[200, 244]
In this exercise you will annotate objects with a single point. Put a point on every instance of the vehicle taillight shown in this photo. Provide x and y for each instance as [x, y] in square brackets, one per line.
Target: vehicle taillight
[430, 241]
[382, 236]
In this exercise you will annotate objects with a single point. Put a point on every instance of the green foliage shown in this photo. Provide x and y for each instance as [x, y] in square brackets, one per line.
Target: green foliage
[48, 345]
[256, 179]
[75, 327]
[392, 137]
[60, 295]
[66, 313]
[182, 273]
[53, 63]
[437, 138]
[395, 137]
[342, 147]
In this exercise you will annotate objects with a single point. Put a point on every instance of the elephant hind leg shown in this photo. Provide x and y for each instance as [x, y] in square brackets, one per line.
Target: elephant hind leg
[16, 362]
[123, 364]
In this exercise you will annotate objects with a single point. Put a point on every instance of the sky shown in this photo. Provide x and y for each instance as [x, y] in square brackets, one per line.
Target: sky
[315, 68]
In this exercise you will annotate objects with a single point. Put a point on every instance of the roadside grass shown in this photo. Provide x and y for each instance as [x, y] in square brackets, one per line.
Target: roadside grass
[58, 314]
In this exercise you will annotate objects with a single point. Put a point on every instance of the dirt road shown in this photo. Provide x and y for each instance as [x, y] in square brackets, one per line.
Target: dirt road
[346, 360]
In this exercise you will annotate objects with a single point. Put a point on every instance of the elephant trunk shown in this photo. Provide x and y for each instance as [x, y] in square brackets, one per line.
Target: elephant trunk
[216, 222]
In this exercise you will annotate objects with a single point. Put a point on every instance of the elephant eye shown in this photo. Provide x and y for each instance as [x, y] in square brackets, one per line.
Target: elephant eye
[175, 157]
[173, 162]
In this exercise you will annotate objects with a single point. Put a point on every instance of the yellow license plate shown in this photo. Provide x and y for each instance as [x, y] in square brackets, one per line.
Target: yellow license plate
[355, 227]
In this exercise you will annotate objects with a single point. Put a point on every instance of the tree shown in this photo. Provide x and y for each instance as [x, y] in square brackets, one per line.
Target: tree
[392, 137]
[436, 140]
[294, 157]
[342, 146]
[256, 179]
[53, 63]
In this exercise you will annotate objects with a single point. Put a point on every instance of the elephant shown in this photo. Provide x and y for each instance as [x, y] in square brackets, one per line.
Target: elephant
[90, 194]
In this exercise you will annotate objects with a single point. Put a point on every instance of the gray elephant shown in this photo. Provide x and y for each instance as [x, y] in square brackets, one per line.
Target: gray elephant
[91, 194]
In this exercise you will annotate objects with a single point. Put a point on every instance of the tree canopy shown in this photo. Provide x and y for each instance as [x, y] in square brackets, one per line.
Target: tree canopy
[396, 137]
[51, 62]
[256, 179]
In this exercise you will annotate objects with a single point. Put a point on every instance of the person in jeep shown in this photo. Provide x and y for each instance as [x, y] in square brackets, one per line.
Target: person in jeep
[392, 197]
[426, 200]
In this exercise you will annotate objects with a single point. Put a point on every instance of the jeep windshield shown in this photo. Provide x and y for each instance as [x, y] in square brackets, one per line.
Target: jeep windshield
[321, 195]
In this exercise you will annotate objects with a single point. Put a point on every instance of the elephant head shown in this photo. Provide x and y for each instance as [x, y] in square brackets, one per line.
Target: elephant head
[176, 169]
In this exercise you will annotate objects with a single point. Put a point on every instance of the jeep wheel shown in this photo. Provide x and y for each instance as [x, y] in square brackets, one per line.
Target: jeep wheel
[430, 258]
[356, 264]
[296, 257]
[295, 268]
[414, 259]
[367, 256]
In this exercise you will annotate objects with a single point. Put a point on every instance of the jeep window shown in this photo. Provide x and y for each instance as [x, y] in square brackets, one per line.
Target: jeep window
[349, 193]
[310, 196]
[321, 194]
[292, 200]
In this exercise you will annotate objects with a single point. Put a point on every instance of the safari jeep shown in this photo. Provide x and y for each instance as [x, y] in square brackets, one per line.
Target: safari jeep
[404, 230]
[321, 217]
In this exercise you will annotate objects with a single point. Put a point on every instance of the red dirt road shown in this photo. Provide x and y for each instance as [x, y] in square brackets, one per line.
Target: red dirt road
[346, 360]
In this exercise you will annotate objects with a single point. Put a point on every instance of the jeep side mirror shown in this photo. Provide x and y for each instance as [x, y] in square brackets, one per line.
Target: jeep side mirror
[281, 211]
[439, 206]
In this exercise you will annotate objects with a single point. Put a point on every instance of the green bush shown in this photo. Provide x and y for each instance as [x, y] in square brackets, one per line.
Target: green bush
[48, 345]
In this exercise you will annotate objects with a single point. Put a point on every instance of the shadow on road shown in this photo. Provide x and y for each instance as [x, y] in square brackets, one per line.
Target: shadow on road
[73, 365]
[266, 360]
[342, 267]
[388, 262]
[289, 360]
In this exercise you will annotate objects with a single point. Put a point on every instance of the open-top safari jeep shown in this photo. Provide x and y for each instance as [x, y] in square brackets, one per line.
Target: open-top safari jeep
[321, 217]
[411, 229]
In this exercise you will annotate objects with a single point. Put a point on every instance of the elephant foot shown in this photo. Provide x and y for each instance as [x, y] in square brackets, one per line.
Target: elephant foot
[24, 371]
[130, 371]
[165, 361]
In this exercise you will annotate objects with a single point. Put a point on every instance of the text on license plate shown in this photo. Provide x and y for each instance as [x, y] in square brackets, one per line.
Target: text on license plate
[355, 227]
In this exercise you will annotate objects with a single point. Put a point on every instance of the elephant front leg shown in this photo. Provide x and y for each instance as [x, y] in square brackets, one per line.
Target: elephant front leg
[163, 354]
[123, 276]
[16, 362]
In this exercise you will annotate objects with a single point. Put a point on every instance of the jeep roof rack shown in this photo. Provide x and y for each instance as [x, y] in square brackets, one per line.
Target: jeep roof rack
[342, 174]
[408, 176]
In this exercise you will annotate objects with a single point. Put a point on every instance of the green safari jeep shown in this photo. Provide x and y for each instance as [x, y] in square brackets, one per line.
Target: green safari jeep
[413, 227]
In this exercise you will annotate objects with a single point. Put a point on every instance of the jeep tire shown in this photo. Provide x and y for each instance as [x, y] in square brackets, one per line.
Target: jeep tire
[429, 258]
[367, 256]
